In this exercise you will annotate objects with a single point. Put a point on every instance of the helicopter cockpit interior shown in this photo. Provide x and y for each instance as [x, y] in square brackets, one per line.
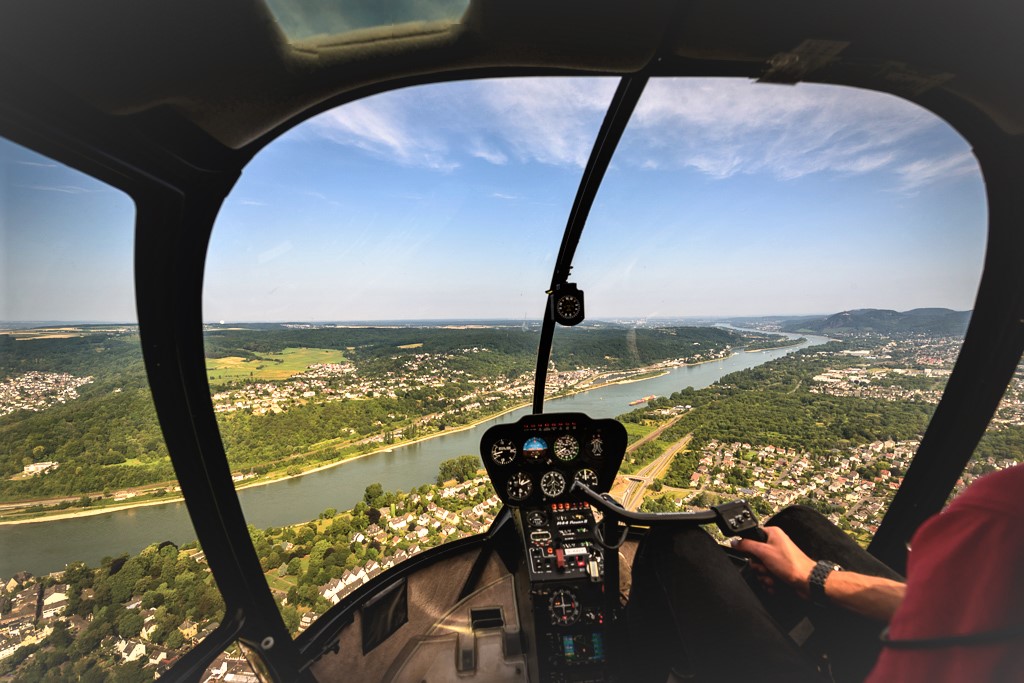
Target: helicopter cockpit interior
[178, 106]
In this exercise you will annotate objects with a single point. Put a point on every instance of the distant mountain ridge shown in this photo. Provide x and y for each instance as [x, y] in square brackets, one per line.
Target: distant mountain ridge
[939, 322]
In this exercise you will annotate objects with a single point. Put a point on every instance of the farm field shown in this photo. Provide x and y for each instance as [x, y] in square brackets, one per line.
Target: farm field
[268, 366]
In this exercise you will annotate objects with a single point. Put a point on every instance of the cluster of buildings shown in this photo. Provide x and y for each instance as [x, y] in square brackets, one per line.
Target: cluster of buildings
[856, 485]
[336, 381]
[31, 607]
[876, 382]
[329, 381]
[409, 527]
[38, 391]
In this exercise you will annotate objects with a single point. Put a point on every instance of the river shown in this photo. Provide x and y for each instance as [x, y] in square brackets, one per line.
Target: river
[47, 546]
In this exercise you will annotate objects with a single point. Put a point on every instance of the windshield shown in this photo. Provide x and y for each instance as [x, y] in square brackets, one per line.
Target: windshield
[831, 238]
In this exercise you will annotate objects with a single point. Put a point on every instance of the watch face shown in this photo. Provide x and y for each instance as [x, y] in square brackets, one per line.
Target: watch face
[568, 306]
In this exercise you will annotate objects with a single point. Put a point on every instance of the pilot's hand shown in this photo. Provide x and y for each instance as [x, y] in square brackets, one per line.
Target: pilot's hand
[778, 560]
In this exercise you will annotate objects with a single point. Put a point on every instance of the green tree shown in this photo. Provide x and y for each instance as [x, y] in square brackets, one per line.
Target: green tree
[460, 469]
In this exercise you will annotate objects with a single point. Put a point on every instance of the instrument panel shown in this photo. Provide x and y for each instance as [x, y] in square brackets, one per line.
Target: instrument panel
[535, 460]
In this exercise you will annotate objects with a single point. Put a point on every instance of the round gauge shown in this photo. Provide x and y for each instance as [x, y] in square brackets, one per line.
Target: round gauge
[587, 476]
[536, 518]
[568, 306]
[535, 448]
[566, 447]
[503, 451]
[520, 486]
[563, 607]
[552, 484]
[597, 445]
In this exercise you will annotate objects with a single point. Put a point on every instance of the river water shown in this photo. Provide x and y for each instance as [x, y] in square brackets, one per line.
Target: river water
[47, 546]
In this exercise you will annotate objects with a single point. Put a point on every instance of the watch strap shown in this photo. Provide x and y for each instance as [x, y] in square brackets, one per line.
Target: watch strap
[816, 581]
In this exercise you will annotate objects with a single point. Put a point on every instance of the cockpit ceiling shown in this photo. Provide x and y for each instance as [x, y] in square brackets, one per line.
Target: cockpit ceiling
[242, 70]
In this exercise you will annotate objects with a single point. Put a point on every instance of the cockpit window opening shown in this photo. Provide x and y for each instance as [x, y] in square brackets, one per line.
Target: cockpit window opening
[373, 292]
[101, 570]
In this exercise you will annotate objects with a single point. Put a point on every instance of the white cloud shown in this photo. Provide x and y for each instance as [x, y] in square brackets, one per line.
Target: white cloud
[38, 164]
[274, 252]
[482, 151]
[66, 189]
[721, 127]
[545, 120]
[725, 127]
[925, 171]
[386, 127]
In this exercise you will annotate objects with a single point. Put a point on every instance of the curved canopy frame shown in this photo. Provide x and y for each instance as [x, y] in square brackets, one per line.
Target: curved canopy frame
[175, 159]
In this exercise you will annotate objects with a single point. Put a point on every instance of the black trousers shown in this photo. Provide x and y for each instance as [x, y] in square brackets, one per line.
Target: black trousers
[693, 611]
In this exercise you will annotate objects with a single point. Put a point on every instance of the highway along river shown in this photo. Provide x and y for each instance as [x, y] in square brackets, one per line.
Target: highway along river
[46, 546]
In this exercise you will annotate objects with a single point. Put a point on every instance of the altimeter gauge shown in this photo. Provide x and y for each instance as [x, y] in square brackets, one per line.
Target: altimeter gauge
[566, 447]
[503, 451]
[552, 484]
[587, 476]
[519, 486]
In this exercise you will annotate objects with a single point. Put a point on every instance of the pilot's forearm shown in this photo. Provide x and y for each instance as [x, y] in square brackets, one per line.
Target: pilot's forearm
[871, 596]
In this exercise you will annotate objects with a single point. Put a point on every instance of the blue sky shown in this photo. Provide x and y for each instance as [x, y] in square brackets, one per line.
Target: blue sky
[449, 201]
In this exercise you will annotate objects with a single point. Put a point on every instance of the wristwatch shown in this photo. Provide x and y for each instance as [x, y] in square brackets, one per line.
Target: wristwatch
[816, 581]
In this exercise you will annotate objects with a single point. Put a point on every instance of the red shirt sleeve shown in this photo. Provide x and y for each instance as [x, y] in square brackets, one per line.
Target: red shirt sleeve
[965, 575]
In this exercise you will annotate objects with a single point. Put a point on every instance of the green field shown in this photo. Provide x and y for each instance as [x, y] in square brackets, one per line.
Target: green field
[282, 365]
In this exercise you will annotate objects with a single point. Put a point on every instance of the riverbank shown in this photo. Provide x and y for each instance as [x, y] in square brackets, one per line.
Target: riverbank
[22, 517]
[85, 512]
[795, 342]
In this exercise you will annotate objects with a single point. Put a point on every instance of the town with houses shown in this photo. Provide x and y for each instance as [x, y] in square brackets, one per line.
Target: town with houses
[325, 382]
[37, 391]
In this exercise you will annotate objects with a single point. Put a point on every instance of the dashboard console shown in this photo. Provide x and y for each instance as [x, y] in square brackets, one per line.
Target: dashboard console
[562, 597]
[534, 461]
